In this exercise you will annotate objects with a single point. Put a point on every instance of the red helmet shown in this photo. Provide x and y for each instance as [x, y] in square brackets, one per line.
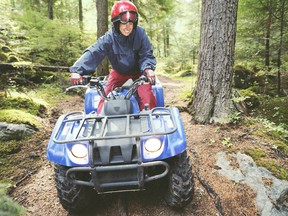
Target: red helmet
[122, 7]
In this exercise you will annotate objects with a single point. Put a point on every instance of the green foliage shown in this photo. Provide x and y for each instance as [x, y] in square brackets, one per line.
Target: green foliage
[256, 154]
[274, 109]
[235, 118]
[250, 98]
[274, 168]
[226, 142]
[9, 147]
[3, 57]
[276, 134]
[8, 206]
[243, 77]
[23, 102]
[185, 94]
[276, 131]
[50, 92]
[258, 22]
[48, 42]
[260, 158]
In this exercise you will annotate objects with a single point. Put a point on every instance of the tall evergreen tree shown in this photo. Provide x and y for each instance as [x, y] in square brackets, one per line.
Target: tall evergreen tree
[283, 9]
[50, 10]
[102, 28]
[80, 14]
[212, 95]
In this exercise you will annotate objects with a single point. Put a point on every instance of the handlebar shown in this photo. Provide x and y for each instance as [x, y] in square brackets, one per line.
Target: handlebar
[99, 82]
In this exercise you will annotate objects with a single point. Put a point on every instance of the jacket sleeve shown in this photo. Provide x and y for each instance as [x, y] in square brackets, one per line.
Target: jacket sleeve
[90, 59]
[146, 58]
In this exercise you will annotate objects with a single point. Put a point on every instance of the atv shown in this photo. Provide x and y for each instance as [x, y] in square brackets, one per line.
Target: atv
[119, 149]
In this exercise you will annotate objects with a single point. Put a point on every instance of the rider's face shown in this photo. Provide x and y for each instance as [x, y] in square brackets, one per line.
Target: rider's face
[126, 29]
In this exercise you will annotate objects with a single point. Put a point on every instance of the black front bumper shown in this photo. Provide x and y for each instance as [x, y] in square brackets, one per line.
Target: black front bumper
[117, 178]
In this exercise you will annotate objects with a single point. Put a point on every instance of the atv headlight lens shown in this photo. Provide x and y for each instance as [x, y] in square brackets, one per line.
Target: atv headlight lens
[79, 150]
[152, 145]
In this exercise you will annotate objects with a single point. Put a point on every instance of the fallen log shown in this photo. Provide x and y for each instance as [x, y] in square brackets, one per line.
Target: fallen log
[10, 67]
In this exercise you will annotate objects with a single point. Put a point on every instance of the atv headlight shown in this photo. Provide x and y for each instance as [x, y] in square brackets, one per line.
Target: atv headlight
[79, 150]
[152, 145]
[152, 148]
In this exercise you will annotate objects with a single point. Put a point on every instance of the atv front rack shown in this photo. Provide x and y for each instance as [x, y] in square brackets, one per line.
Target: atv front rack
[77, 126]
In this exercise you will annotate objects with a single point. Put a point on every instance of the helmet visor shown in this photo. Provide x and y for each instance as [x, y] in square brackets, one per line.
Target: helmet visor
[128, 16]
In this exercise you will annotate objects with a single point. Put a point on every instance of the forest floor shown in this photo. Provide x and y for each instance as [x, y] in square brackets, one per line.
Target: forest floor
[214, 194]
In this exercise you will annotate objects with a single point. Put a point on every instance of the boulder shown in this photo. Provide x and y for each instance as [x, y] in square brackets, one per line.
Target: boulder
[10, 131]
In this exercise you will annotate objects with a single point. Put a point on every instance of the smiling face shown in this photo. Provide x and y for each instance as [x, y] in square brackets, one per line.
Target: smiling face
[126, 29]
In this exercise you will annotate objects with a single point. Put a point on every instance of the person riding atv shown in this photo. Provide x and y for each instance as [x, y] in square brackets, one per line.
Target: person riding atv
[125, 139]
[128, 50]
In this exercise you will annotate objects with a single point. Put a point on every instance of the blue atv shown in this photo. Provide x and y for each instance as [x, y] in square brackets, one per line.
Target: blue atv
[121, 149]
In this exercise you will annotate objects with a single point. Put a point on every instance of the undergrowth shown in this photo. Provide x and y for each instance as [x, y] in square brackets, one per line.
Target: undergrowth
[8, 206]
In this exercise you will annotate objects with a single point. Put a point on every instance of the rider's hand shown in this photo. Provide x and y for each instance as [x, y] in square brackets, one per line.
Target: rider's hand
[76, 79]
[151, 76]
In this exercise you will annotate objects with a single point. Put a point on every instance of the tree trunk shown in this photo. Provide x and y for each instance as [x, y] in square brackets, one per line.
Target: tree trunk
[102, 28]
[164, 41]
[50, 10]
[282, 22]
[80, 15]
[213, 92]
[267, 43]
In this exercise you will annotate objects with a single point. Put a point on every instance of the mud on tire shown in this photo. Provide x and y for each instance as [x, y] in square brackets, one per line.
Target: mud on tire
[74, 198]
[180, 189]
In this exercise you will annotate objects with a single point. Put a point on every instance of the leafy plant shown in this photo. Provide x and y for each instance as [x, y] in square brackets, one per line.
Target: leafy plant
[235, 117]
[46, 42]
[279, 130]
[9, 207]
[226, 142]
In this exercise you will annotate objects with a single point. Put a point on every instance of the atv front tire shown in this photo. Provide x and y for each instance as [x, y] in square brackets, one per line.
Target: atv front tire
[74, 198]
[180, 182]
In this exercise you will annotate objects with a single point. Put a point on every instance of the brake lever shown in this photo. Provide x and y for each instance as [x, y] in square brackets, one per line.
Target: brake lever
[75, 86]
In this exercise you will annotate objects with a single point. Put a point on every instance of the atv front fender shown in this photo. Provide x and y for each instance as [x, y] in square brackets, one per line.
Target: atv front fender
[59, 153]
[174, 143]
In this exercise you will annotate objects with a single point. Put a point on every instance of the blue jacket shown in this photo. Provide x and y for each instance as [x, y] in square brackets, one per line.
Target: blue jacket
[127, 55]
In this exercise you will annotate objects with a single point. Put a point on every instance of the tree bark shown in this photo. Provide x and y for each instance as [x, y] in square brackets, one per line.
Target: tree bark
[80, 15]
[50, 10]
[267, 39]
[213, 92]
[102, 28]
[279, 55]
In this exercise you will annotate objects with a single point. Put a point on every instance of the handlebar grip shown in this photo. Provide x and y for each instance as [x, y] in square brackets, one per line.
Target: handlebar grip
[144, 78]
[94, 82]
[86, 79]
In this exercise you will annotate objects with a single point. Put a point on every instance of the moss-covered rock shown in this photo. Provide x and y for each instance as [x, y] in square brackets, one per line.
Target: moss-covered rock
[243, 77]
[3, 57]
[6, 49]
[9, 147]
[274, 168]
[25, 103]
[251, 98]
[256, 154]
[19, 117]
[274, 109]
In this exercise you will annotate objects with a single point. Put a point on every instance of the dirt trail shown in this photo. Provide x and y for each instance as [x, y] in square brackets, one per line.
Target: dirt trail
[38, 194]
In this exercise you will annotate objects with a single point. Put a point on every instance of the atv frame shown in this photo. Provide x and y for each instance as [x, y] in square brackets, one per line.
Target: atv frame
[122, 152]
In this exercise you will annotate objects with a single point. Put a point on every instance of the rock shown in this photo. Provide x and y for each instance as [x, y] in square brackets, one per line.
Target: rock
[9, 131]
[271, 198]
